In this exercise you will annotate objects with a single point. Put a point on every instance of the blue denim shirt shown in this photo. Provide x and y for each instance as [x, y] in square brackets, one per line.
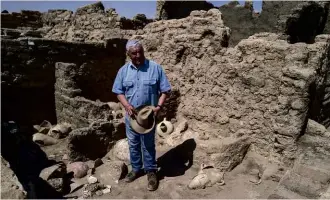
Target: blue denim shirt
[143, 85]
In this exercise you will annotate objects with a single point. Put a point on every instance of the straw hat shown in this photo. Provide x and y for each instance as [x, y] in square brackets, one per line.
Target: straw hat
[144, 121]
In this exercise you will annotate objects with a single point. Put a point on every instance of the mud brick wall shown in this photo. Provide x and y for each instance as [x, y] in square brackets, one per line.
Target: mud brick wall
[259, 89]
[70, 106]
[28, 74]
[25, 18]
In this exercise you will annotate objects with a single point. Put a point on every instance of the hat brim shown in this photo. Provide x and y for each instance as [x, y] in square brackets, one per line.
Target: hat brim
[139, 129]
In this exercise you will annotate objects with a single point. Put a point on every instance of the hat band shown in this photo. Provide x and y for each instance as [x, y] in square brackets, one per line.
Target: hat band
[142, 124]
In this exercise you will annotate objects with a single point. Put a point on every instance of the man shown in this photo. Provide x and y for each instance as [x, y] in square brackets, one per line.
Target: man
[138, 83]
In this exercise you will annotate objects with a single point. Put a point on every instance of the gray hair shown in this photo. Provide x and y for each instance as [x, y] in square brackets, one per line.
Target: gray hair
[132, 43]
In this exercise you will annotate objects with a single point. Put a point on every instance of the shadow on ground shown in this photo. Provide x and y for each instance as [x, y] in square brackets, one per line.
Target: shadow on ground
[26, 159]
[176, 161]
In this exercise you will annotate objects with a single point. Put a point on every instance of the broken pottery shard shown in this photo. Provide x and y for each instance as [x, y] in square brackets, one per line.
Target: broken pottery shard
[55, 171]
[45, 126]
[43, 139]
[92, 179]
[60, 130]
[106, 190]
[121, 150]
[79, 169]
[231, 153]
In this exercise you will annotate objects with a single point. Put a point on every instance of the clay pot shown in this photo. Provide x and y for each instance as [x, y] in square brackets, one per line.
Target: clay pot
[206, 177]
[44, 127]
[43, 139]
[60, 130]
[164, 128]
[200, 180]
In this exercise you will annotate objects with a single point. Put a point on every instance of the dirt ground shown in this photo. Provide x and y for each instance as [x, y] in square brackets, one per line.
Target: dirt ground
[237, 184]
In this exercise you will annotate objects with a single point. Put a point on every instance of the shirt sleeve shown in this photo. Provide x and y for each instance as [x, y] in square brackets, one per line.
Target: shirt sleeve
[118, 84]
[164, 84]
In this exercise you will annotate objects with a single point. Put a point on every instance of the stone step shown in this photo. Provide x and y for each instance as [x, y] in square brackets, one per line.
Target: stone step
[301, 185]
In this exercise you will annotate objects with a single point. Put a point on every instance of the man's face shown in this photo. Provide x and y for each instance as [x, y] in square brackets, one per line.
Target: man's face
[136, 54]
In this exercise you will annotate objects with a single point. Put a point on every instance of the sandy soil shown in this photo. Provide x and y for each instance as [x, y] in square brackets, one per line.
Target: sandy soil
[237, 182]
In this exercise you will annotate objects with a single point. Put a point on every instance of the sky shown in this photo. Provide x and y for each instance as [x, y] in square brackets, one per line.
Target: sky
[126, 9]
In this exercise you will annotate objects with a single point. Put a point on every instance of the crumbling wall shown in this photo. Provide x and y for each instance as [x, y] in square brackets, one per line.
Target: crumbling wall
[90, 23]
[179, 9]
[258, 89]
[71, 106]
[320, 91]
[302, 21]
[25, 18]
[240, 19]
[28, 75]
[306, 20]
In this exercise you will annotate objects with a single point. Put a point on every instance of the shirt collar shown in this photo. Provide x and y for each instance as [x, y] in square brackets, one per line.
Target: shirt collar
[133, 66]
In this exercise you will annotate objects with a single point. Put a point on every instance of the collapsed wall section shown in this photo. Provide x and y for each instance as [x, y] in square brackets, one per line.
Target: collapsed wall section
[258, 89]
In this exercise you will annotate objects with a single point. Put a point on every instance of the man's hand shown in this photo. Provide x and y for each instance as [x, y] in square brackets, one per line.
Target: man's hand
[129, 109]
[156, 110]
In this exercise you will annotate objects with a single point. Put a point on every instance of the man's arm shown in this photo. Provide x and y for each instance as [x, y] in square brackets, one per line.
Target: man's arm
[120, 91]
[128, 107]
[161, 101]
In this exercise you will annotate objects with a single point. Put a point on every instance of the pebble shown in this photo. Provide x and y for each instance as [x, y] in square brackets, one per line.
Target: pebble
[106, 191]
[92, 179]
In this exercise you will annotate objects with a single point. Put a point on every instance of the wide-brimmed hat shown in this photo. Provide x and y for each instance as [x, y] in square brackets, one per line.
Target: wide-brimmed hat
[144, 120]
